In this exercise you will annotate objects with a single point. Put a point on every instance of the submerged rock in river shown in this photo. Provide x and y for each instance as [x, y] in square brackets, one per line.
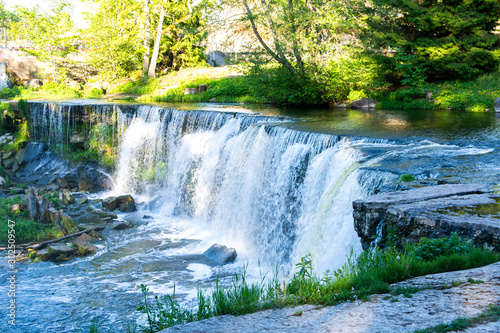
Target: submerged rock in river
[220, 254]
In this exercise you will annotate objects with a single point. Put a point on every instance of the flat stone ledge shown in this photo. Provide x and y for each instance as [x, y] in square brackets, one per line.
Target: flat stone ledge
[434, 212]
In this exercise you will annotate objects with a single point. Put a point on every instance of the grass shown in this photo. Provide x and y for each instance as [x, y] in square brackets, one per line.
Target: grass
[491, 314]
[474, 96]
[371, 273]
[26, 230]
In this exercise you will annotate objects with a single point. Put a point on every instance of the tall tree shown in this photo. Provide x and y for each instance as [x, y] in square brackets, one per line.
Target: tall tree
[147, 38]
[51, 35]
[113, 37]
[437, 39]
[310, 40]
[180, 34]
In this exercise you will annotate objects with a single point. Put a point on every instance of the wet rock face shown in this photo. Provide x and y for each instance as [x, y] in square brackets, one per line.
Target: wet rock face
[433, 212]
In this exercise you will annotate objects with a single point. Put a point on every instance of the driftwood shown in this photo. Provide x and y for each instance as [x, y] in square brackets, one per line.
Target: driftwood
[44, 244]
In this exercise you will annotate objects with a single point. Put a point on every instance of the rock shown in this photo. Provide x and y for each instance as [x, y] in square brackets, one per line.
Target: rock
[65, 223]
[49, 216]
[52, 188]
[110, 203]
[2, 180]
[124, 202]
[43, 255]
[82, 200]
[89, 218]
[341, 105]
[86, 248]
[33, 83]
[85, 186]
[428, 212]
[127, 207]
[190, 91]
[220, 254]
[428, 96]
[364, 103]
[17, 190]
[74, 85]
[9, 163]
[7, 155]
[34, 151]
[15, 166]
[21, 154]
[33, 205]
[62, 183]
[18, 207]
[83, 238]
[121, 225]
[202, 88]
[66, 197]
[213, 99]
[496, 104]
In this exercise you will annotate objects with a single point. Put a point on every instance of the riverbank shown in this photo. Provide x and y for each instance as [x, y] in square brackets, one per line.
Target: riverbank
[454, 301]
[228, 85]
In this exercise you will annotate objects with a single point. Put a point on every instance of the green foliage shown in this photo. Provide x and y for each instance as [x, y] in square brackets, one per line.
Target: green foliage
[113, 37]
[182, 43]
[428, 249]
[437, 40]
[406, 177]
[50, 34]
[26, 229]
[93, 93]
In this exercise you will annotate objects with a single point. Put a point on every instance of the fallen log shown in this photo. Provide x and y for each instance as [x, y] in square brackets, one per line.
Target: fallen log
[44, 244]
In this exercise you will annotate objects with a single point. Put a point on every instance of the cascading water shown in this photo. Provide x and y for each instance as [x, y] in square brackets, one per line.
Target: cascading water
[244, 180]
[253, 182]
[271, 192]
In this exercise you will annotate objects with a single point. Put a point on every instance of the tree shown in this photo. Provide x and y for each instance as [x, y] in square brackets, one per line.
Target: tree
[114, 37]
[312, 43]
[433, 39]
[52, 35]
[147, 38]
[180, 33]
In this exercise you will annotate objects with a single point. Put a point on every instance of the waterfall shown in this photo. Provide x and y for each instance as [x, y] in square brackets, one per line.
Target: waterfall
[267, 190]
[248, 181]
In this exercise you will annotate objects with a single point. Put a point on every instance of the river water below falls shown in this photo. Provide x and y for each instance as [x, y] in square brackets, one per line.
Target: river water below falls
[274, 188]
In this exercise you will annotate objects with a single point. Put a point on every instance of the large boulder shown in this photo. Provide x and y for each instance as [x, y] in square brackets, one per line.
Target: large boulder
[221, 254]
[364, 103]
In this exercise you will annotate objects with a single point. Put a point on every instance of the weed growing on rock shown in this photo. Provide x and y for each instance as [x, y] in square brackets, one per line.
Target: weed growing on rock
[370, 273]
[491, 314]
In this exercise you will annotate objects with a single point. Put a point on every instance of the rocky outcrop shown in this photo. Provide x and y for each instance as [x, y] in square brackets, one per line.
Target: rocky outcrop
[221, 254]
[434, 212]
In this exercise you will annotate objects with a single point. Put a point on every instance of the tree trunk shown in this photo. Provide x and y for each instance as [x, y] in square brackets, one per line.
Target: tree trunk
[147, 39]
[156, 50]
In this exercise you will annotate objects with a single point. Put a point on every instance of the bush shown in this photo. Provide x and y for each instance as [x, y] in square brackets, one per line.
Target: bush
[428, 249]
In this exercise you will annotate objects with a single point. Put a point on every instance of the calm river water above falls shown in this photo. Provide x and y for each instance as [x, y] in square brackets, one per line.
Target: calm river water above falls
[273, 188]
